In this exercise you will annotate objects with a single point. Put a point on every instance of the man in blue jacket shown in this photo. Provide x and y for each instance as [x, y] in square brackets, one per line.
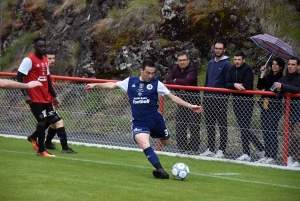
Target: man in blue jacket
[241, 78]
[215, 104]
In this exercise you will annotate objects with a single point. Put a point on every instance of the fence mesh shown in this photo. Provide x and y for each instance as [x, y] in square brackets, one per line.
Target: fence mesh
[242, 124]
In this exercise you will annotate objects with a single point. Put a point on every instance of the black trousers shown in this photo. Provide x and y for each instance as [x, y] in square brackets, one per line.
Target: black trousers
[187, 119]
[243, 110]
[215, 110]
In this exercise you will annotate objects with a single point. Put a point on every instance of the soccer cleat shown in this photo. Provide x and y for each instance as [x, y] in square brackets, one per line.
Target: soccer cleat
[50, 146]
[69, 151]
[33, 142]
[219, 154]
[208, 153]
[160, 174]
[244, 157]
[261, 154]
[45, 154]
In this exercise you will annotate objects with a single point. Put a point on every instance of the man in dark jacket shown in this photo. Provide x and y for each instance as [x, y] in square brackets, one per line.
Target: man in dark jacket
[290, 83]
[241, 78]
[215, 104]
[185, 73]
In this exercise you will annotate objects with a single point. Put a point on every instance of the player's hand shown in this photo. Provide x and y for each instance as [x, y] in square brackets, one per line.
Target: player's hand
[33, 84]
[88, 87]
[196, 108]
[56, 101]
[28, 100]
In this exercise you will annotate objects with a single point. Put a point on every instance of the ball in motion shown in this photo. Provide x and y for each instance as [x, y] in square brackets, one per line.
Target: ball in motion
[180, 171]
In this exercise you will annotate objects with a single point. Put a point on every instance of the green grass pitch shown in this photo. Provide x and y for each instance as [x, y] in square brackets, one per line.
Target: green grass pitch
[108, 174]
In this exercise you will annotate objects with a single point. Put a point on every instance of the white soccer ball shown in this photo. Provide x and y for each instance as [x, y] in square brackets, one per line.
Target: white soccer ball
[180, 171]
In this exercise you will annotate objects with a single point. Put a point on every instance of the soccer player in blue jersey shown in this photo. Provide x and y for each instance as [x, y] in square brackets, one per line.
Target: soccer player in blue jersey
[144, 92]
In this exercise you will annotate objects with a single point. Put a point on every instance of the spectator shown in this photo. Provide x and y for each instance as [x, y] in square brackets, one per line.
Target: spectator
[35, 67]
[271, 110]
[216, 104]
[241, 78]
[185, 73]
[290, 83]
[143, 93]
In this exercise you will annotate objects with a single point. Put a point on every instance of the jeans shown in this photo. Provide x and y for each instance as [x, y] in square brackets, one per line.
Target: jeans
[243, 109]
[215, 110]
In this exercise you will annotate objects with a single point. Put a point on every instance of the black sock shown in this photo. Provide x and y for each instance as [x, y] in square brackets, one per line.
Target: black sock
[50, 135]
[34, 135]
[61, 133]
[40, 130]
[157, 166]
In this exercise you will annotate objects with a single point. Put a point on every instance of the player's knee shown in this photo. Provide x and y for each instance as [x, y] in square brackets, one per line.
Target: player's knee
[59, 124]
[166, 142]
[143, 144]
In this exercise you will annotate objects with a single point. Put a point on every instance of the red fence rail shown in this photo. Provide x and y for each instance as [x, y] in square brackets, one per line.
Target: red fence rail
[288, 97]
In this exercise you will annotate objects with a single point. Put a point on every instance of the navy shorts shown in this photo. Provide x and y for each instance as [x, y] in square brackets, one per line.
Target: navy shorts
[153, 124]
[44, 111]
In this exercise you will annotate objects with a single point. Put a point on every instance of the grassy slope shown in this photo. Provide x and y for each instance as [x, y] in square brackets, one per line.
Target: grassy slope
[103, 174]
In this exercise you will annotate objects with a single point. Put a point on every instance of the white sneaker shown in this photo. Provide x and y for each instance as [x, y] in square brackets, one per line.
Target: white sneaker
[219, 154]
[244, 157]
[262, 160]
[208, 153]
[261, 154]
[296, 164]
[270, 161]
[290, 161]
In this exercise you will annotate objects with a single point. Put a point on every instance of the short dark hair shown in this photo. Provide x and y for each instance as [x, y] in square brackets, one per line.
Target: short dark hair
[222, 42]
[182, 53]
[240, 53]
[39, 38]
[295, 58]
[50, 52]
[148, 63]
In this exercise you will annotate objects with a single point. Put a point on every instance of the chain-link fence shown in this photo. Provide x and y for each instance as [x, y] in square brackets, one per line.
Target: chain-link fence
[235, 124]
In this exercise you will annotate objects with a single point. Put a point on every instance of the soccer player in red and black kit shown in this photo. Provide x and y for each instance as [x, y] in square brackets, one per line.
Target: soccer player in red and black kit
[35, 67]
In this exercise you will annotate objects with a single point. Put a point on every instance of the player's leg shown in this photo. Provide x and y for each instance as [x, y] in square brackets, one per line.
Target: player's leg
[39, 112]
[50, 135]
[34, 134]
[159, 130]
[143, 140]
[55, 121]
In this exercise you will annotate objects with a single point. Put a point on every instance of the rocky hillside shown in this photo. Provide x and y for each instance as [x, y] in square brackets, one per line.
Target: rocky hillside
[109, 38]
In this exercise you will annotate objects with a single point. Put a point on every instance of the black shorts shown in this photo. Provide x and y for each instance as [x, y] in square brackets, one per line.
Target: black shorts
[44, 111]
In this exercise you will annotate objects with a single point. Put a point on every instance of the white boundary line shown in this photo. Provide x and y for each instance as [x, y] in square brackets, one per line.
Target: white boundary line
[214, 175]
[171, 154]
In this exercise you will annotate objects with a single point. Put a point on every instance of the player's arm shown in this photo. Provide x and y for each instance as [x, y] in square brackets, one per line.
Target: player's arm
[10, 84]
[179, 101]
[106, 85]
[51, 90]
